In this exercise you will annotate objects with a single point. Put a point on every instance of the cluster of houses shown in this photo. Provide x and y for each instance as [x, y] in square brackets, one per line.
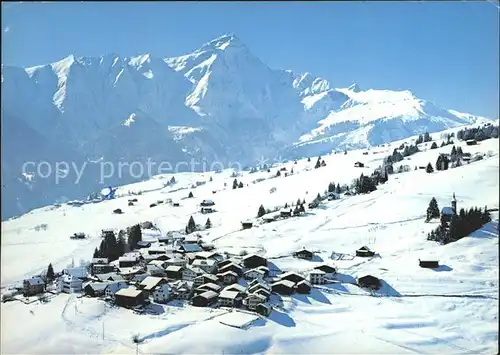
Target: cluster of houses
[185, 272]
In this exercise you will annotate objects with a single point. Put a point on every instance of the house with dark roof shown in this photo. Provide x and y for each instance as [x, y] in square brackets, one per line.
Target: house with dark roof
[190, 248]
[292, 276]
[205, 278]
[232, 267]
[204, 299]
[327, 269]
[364, 252]
[283, 287]
[33, 286]
[253, 260]
[209, 286]
[304, 254]
[230, 298]
[228, 277]
[174, 272]
[429, 264]
[264, 309]
[303, 287]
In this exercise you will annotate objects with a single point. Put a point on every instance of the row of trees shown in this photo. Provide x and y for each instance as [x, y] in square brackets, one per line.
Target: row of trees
[460, 225]
[192, 226]
[237, 185]
[479, 134]
[425, 138]
[112, 247]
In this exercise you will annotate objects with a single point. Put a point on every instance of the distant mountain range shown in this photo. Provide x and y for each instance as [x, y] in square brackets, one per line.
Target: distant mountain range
[219, 103]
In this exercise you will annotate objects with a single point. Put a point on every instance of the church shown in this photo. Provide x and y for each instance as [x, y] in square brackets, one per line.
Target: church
[447, 212]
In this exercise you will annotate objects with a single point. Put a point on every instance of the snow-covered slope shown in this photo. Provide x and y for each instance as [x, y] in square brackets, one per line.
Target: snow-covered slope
[235, 108]
[449, 310]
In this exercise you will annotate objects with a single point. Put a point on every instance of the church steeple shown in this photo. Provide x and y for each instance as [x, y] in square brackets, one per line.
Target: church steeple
[454, 204]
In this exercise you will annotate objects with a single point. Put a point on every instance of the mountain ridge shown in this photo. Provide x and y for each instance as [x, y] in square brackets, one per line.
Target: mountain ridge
[233, 107]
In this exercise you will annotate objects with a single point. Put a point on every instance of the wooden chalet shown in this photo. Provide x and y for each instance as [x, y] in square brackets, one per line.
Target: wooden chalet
[328, 269]
[303, 287]
[252, 261]
[283, 287]
[33, 286]
[130, 297]
[292, 276]
[364, 252]
[231, 267]
[429, 264]
[246, 225]
[264, 309]
[230, 298]
[304, 254]
[205, 299]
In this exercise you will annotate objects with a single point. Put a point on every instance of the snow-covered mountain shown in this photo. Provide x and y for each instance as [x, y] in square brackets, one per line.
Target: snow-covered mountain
[220, 102]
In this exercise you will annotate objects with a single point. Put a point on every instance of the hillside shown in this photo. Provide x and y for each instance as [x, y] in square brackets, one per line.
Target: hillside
[229, 105]
[452, 309]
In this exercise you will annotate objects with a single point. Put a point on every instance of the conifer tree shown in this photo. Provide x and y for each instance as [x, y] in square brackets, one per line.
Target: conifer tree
[190, 194]
[318, 163]
[427, 137]
[298, 202]
[278, 173]
[331, 187]
[432, 210]
[240, 185]
[50, 272]
[191, 227]
[262, 211]
[120, 246]
[235, 184]
[337, 189]
[208, 224]
[434, 145]
[96, 253]
[429, 168]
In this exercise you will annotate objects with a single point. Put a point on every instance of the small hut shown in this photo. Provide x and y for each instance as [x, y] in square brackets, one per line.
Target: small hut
[429, 264]
[247, 225]
[364, 252]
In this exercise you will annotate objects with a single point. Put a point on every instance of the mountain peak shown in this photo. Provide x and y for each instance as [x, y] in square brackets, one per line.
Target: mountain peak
[228, 40]
[354, 87]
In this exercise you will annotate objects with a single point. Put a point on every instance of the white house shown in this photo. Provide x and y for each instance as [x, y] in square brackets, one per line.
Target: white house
[230, 298]
[78, 272]
[190, 273]
[255, 274]
[162, 293]
[253, 300]
[317, 277]
[70, 284]
[208, 265]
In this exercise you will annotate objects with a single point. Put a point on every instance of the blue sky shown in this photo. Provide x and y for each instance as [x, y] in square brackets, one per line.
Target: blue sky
[446, 52]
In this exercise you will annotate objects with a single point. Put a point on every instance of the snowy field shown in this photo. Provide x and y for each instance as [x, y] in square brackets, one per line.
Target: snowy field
[451, 310]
